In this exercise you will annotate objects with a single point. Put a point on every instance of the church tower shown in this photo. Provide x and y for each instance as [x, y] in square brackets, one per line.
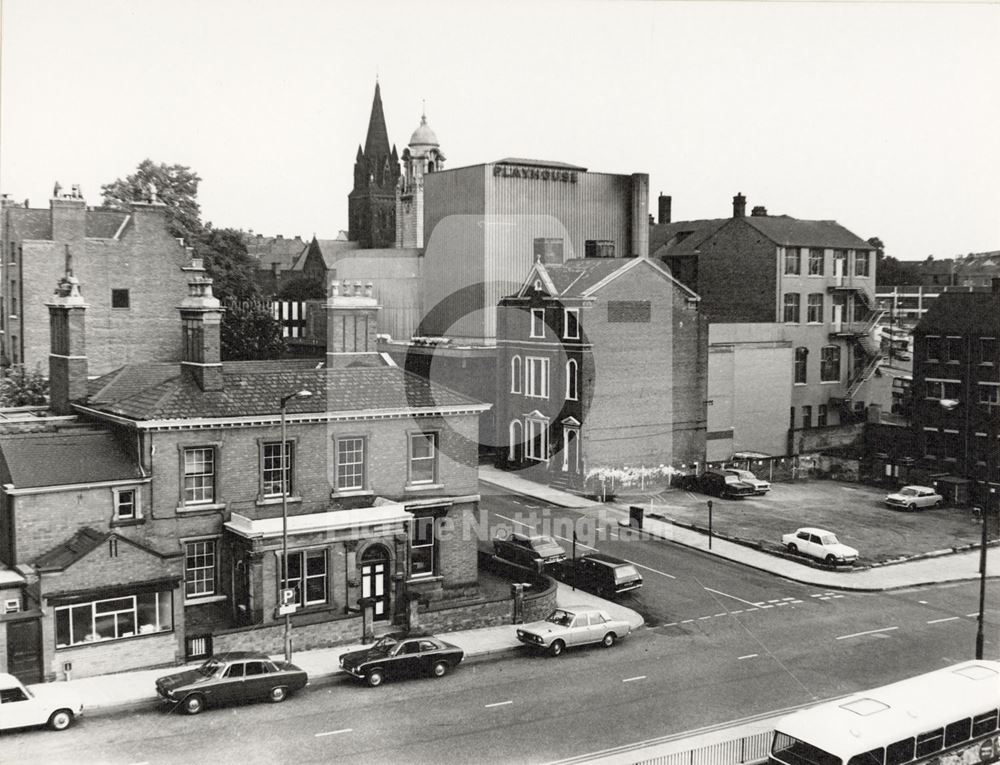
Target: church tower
[371, 205]
[421, 157]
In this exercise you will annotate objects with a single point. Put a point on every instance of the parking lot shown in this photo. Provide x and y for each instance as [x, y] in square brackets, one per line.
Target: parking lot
[854, 512]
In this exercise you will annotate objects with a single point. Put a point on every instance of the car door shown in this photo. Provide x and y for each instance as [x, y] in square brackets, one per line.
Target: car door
[256, 681]
[595, 632]
[406, 661]
[230, 686]
[18, 709]
[579, 629]
[816, 546]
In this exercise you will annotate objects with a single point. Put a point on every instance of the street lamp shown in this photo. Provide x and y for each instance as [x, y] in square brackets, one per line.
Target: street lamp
[284, 516]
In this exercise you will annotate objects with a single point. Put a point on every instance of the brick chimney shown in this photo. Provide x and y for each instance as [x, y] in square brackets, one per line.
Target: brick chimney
[67, 343]
[663, 213]
[201, 320]
[351, 322]
[739, 206]
[69, 215]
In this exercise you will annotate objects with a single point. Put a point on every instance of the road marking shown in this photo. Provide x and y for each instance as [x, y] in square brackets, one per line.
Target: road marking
[703, 617]
[776, 600]
[632, 679]
[727, 595]
[519, 523]
[974, 613]
[922, 602]
[722, 614]
[687, 621]
[748, 656]
[751, 609]
[869, 632]
[763, 607]
[578, 542]
[740, 611]
[779, 605]
[499, 704]
[672, 624]
[647, 568]
[334, 732]
[946, 619]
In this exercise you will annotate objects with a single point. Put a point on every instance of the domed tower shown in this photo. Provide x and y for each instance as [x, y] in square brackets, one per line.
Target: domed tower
[422, 156]
[371, 204]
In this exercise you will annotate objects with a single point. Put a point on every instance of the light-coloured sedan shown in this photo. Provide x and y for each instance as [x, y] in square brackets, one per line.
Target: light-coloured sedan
[914, 497]
[571, 626]
[821, 544]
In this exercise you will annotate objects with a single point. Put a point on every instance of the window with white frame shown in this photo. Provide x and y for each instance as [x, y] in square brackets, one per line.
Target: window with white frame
[536, 378]
[793, 261]
[821, 416]
[572, 381]
[536, 439]
[350, 464]
[801, 363]
[307, 576]
[423, 457]
[200, 568]
[987, 350]
[571, 323]
[515, 374]
[114, 618]
[423, 555]
[271, 469]
[537, 322]
[791, 308]
[814, 308]
[989, 394]
[938, 389]
[126, 504]
[829, 365]
[862, 263]
[816, 262]
[199, 475]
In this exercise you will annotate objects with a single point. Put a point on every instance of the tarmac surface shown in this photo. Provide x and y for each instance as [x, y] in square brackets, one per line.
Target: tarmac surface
[106, 693]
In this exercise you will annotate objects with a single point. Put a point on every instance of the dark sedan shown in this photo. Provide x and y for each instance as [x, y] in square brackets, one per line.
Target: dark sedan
[232, 677]
[400, 655]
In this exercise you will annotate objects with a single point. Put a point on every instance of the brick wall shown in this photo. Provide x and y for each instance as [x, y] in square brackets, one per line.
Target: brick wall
[141, 652]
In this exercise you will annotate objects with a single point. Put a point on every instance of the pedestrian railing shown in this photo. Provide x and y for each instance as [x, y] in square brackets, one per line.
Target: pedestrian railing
[746, 750]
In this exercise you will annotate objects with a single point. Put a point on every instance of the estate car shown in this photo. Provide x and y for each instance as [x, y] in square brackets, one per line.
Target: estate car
[602, 574]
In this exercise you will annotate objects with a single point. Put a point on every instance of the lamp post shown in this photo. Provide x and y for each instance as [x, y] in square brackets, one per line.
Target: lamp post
[284, 515]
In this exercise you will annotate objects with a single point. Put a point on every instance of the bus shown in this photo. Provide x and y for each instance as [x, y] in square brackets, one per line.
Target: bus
[945, 717]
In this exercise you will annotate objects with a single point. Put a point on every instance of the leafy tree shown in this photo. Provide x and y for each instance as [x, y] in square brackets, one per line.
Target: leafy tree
[303, 288]
[174, 185]
[228, 263]
[249, 331]
[890, 270]
[19, 387]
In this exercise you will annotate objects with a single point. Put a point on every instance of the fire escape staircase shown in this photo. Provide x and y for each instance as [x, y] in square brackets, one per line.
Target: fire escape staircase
[861, 333]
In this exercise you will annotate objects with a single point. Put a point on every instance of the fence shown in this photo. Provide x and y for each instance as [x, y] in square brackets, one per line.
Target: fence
[740, 751]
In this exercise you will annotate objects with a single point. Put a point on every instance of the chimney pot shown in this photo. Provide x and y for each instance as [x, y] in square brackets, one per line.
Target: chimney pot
[739, 205]
[759, 212]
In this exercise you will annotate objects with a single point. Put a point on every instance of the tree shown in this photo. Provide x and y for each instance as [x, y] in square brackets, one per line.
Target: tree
[174, 185]
[249, 331]
[19, 387]
[228, 263]
[303, 288]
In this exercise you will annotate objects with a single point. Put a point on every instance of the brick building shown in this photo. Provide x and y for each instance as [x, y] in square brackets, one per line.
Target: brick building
[602, 365]
[129, 263]
[815, 282]
[275, 258]
[157, 532]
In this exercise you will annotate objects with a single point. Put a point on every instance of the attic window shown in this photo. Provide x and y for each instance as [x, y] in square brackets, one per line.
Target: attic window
[119, 298]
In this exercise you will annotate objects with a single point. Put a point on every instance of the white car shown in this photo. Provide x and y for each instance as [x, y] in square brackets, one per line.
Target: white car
[573, 625]
[745, 476]
[820, 544]
[52, 704]
[914, 497]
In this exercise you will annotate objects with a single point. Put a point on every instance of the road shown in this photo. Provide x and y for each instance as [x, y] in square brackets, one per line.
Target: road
[726, 642]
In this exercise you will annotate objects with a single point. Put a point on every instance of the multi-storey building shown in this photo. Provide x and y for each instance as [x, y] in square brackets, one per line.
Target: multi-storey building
[156, 530]
[956, 393]
[128, 260]
[601, 366]
[814, 280]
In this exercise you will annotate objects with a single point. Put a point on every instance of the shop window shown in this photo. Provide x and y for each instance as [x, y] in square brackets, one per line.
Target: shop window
[307, 577]
[114, 618]
[199, 475]
[350, 464]
[791, 308]
[275, 478]
[423, 457]
[200, 568]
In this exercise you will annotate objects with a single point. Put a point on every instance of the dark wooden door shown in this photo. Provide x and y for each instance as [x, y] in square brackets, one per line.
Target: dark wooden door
[24, 650]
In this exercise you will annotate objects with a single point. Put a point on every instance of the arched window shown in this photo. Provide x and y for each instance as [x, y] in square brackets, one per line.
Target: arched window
[515, 374]
[801, 361]
[572, 382]
[514, 440]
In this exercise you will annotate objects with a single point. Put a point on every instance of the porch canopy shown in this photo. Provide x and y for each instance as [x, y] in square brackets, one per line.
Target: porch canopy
[386, 518]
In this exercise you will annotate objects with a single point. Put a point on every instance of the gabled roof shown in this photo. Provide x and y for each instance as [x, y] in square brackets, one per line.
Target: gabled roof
[330, 250]
[73, 456]
[254, 388]
[784, 230]
[274, 249]
[81, 544]
[582, 277]
[681, 237]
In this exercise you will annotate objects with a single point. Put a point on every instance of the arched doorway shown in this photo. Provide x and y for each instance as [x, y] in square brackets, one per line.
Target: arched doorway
[375, 579]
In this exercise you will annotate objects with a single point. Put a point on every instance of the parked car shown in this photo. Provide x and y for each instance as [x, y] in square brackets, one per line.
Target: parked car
[717, 483]
[745, 476]
[232, 677]
[601, 574]
[914, 497]
[571, 626]
[52, 704]
[820, 544]
[399, 655]
[527, 550]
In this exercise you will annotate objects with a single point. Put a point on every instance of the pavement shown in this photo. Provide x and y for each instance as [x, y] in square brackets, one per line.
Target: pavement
[109, 692]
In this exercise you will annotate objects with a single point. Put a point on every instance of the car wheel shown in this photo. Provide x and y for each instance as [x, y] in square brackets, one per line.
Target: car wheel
[830, 560]
[194, 703]
[609, 640]
[937, 504]
[792, 547]
[60, 719]
[278, 694]
[557, 647]
[375, 678]
[440, 668]
[912, 506]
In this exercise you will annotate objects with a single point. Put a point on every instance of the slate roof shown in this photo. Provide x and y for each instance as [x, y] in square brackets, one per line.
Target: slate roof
[962, 313]
[160, 392]
[274, 249]
[104, 224]
[72, 456]
[64, 555]
[694, 233]
[331, 250]
[780, 229]
[574, 277]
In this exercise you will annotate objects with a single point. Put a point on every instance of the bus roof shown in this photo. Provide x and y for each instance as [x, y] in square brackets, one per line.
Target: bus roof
[881, 716]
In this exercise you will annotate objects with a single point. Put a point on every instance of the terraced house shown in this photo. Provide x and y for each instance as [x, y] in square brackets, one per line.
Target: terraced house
[166, 540]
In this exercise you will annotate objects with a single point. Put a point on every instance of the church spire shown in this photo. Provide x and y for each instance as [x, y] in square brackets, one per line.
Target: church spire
[377, 142]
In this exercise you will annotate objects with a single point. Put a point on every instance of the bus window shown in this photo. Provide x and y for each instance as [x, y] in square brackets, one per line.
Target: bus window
[900, 752]
[929, 742]
[957, 732]
[984, 723]
[874, 757]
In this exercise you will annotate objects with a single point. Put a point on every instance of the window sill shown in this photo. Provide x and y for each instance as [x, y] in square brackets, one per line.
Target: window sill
[430, 578]
[335, 494]
[127, 522]
[194, 509]
[204, 600]
[828, 382]
[423, 486]
[261, 501]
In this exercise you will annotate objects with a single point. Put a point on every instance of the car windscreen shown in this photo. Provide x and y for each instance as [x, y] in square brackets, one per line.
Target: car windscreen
[210, 667]
[384, 645]
[538, 542]
[560, 617]
[625, 572]
[828, 539]
[908, 492]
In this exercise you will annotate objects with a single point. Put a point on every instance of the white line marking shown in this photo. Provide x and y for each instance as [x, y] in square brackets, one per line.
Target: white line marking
[334, 732]
[763, 607]
[751, 609]
[722, 614]
[578, 543]
[647, 568]
[672, 624]
[519, 523]
[499, 704]
[974, 613]
[703, 617]
[740, 611]
[687, 621]
[727, 595]
[776, 600]
[748, 656]
[922, 602]
[869, 632]
[632, 679]
[779, 605]
[788, 598]
[838, 596]
[946, 619]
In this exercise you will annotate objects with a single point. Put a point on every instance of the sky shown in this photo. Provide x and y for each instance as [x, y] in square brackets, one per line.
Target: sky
[882, 116]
